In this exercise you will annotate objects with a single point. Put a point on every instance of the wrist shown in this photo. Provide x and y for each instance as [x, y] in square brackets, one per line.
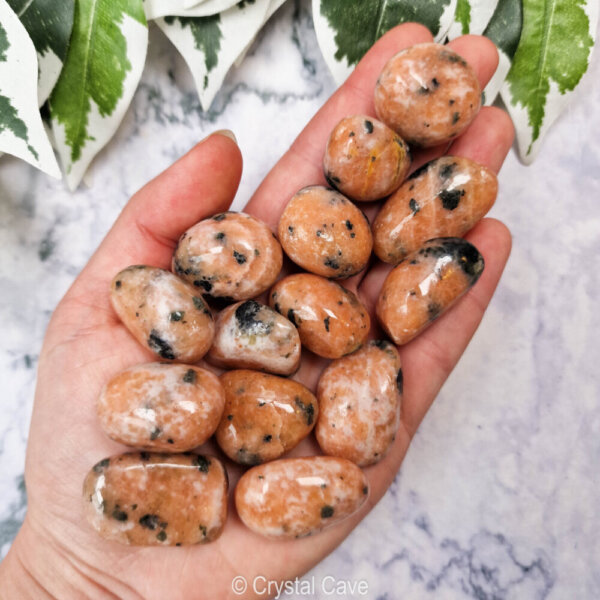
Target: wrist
[16, 581]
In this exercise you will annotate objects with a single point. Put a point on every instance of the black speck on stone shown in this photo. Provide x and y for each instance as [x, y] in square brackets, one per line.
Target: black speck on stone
[451, 101]
[220, 236]
[261, 404]
[161, 536]
[414, 206]
[435, 84]
[381, 344]
[326, 322]
[319, 233]
[100, 466]
[203, 463]
[190, 376]
[365, 490]
[455, 118]
[353, 235]
[433, 310]
[447, 170]
[292, 317]
[133, 506]
[170, 441]
[144, 455]
[219, 217]
[248, 458]
[267, 438]
[327, 511]
[199, 304]
[160, 346]
[400, 381]
[332, 263]
[291, 230]
[176, 315]
[351, 134]
[245, 315]
[119, 515]
[426, 124]
[277, 307]
[451, 198]
[368, 126]
[230, 417]
[239, 257]
[203, 529]
[307, 409]
[155, 433]
[349, 225]
[149, 522]
[256, 252]
[118, 284]
[204, 284]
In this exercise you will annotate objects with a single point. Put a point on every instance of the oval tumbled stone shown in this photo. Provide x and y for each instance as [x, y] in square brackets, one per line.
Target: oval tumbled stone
[148, 499]
[161, 407]
[446, 197]
[296, 497]
[425, 285]
[250, 335]
[264, 416]
[359, 403]
[163, 313]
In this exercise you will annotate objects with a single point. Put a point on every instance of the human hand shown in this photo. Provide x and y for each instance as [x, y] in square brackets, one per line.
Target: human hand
[56, 553]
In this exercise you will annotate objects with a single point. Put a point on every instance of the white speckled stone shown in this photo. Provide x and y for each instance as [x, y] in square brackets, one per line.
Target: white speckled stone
[499, 493]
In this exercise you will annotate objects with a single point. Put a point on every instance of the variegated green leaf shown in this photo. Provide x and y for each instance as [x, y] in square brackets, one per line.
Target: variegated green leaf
[553, 54]
[163, 8]
[504, 29]
[21, 130]
[98, 80]
[346, 30]
[210, 45]
[49, 24]
[471, 16]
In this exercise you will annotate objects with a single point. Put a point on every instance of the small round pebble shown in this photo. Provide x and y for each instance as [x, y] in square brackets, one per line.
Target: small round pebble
[231, 256]
[365, 159]
[161, 407]
[425, 285]
[359, 401]
[296, 497]
[165, 314]
[250, 335]
[444, 198]
[324, 233]
[147, 499]
[264, 416]
[428, 94]
[331, 321]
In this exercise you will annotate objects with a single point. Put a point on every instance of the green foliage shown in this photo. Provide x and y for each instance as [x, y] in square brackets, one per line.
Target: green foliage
[463, 15]
[358, 25]
[555, 46]
[95, 68]
[48, 22]
[504, 28]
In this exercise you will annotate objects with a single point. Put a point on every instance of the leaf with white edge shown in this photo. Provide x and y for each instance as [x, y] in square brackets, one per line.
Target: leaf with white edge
[346, 30]
[103, 68]
[472, 16]
[22, 133]
[553, 54]
[49, 24]
[177, 8]
[210, 45]
[273, 7]
[504, 29]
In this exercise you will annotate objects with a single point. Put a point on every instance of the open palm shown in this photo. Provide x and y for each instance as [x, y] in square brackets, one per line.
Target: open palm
[56, 552]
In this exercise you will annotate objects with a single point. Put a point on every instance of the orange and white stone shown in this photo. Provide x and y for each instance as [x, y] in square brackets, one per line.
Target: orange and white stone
[161, 407]
[365, 159]
[444, 198]
[250, 335]
[359, 403]
[428, 94]
[231, 255]
[146, 499]
[264, 417]
[330, 319]
[163, 313]
[324, 233]
[425, 285]
[296, 497]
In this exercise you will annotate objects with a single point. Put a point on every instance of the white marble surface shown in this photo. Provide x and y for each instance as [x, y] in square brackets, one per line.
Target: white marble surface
[498, 497]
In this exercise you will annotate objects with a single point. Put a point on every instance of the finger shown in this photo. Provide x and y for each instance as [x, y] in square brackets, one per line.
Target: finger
[201, 183]
[302, 164]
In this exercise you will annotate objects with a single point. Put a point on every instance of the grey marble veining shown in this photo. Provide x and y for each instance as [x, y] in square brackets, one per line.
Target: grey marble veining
[498, 495]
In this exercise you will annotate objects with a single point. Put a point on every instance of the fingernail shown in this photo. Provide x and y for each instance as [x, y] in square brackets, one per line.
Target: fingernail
[227, 133]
